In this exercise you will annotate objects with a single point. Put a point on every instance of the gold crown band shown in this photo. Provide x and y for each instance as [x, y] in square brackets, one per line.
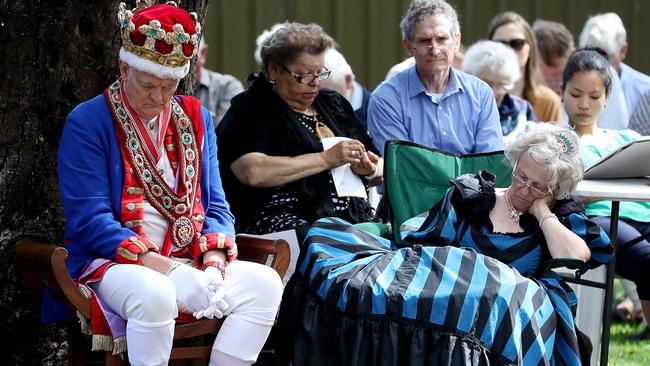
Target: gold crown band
[156, 57]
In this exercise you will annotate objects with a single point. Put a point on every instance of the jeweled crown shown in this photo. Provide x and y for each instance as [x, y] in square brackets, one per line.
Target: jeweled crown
[172, 39]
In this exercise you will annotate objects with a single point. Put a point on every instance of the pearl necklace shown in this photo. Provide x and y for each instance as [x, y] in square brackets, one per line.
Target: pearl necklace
[514, 213]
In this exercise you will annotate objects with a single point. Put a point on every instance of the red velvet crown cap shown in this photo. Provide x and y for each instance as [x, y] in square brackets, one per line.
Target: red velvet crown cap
[168, 16]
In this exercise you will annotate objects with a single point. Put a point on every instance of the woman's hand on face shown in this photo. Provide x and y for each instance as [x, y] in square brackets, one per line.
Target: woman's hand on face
[542, 206]
[347, 151]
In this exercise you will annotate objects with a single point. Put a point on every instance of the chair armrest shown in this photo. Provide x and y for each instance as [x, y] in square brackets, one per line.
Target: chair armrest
[569, 263]
[257, 249]
[44, 264]
[579, 266]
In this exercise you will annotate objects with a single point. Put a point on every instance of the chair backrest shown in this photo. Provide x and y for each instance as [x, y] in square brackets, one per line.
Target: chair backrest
[416, 177]
[43, 265]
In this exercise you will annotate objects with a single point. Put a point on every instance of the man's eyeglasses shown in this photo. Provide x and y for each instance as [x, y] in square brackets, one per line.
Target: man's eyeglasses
[427, 45]
[521, 182]
[516, 44]
[308, 78]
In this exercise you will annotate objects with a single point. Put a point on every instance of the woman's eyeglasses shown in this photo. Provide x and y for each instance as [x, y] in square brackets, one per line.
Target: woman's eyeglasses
[308, 78]
[521, 182]
[516, 44]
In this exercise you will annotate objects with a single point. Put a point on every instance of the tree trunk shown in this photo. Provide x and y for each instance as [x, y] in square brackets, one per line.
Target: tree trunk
[55, 54]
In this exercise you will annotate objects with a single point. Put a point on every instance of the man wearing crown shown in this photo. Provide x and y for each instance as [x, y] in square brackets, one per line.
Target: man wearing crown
[149, 231]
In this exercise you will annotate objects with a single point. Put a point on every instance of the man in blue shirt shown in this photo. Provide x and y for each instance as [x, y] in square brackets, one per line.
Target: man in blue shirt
[430, 103]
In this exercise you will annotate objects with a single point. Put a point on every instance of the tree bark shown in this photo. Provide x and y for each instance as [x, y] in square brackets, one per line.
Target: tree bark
[55, 54]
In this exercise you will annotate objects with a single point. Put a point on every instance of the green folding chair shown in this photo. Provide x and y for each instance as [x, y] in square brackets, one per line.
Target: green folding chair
[416, 177]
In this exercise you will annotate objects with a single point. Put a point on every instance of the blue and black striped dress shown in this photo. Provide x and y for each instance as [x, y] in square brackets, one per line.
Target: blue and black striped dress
[460, 295]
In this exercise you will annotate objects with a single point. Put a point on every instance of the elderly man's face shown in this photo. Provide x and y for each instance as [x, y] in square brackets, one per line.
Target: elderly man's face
[433, 45]
[147, 94]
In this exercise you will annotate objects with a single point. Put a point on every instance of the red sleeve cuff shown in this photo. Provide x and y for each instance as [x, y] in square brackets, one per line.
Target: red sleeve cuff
[214, 241]
[128, 250]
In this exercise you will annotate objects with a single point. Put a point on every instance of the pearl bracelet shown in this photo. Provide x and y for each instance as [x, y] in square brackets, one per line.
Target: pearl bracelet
[546, 217]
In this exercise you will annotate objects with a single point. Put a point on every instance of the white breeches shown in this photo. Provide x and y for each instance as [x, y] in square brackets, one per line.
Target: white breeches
[147, 300]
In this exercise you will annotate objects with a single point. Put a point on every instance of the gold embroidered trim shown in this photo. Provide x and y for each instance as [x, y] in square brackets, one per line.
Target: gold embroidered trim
[175, 208]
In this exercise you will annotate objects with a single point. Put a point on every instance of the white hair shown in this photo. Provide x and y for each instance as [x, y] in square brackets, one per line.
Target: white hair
[556, 147]
[420, 10]
[493, 57]
[397, 68]
[336, 63]
[605, 31]
[262, 37]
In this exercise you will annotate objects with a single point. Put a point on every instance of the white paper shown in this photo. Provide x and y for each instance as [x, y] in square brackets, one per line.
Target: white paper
[628, 161]
[346, 182]
[294, 248]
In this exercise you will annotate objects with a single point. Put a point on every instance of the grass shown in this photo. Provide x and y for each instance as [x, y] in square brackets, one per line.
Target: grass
[623, 352]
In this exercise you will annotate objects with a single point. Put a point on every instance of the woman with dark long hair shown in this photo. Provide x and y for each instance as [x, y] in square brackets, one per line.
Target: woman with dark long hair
[513, 30]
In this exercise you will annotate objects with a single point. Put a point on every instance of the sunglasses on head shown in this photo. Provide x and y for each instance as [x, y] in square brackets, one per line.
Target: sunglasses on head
[516, 44]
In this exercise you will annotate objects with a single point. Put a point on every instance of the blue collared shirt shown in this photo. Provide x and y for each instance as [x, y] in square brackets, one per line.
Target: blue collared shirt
[463, 120]
[634, 84]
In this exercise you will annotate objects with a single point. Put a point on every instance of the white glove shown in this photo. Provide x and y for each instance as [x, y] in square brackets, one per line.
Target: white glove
[193, 288]
[218, 304]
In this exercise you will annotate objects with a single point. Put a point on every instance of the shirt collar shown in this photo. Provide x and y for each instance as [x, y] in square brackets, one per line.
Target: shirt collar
[357, 95]
[205, 78]
[416, 86]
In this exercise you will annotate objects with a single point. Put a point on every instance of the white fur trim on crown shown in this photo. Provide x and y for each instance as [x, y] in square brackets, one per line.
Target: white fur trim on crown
[150, 67]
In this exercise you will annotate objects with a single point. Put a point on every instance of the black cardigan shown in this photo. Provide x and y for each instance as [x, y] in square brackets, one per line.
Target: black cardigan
[260, 121]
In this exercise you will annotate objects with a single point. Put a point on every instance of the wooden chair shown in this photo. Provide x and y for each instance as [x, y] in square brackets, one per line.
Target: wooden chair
[44, 265]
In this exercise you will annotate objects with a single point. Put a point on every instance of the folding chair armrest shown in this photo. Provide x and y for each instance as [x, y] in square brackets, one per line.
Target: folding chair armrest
[569, 263]
[257, 249]
[579, 266]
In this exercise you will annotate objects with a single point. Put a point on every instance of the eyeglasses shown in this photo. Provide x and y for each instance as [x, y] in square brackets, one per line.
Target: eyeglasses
[308, 78]
[516, 44]
[426, 45]
[521, 182]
